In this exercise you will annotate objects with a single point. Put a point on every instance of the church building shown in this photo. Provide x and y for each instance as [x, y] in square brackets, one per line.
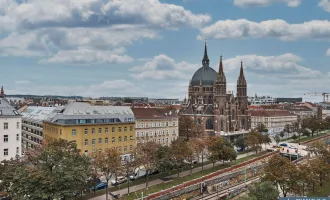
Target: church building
[209, 103]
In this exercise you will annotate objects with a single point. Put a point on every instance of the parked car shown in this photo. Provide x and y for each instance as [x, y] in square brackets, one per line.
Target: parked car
[99, 186]
[119, 180]
[192, 162]
[283, 145]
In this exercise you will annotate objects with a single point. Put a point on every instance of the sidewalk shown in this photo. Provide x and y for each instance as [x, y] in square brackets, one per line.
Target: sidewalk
[159, 181]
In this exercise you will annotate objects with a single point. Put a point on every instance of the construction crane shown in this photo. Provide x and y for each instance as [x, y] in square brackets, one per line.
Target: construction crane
[324, 94]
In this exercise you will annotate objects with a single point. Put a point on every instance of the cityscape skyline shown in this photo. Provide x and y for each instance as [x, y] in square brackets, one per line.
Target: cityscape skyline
[95, 48]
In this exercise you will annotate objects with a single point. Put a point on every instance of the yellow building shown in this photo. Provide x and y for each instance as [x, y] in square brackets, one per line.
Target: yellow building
[93, 128]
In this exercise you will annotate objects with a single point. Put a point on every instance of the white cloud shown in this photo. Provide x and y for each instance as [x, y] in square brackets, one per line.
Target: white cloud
[325, 5]
[249, 3]
[47, 28]
[328, 52]
[86, 56]
[242, 28]
[163, 67]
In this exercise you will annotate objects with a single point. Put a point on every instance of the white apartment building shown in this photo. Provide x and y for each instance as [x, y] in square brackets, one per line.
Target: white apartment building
[10, 131]
[274, 120]
[158, 125]
[32, 119]
[261, 100]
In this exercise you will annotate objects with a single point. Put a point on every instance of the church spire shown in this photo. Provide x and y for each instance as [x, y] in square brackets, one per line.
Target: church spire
[241, 73]
[2, 93]
[206, 60]
[220, 66]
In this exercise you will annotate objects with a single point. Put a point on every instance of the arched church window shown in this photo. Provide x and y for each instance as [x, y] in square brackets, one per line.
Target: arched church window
[209, 124]
[221, 125]
[243, 111]
[221, 111]
[233, 115]
[243, 125]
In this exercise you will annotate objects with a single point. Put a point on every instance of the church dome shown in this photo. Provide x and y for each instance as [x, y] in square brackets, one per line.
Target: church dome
[205, 74]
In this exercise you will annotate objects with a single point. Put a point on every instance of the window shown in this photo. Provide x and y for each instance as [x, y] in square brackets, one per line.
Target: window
[131, 147]
[125, 129]
[100, 130]
[86, 142]
[106, 130]
[119, 139]
[17, 125]
[100, 140]
[86, 131]
[73, 132]
[131, 128]
[166, 123]
[119, 148]
[119, 129]
[209, 124]
[5, 138]
[17, 137]
[125, 148]
[173, 123]
[233, 115]
[125, 138]
[5, 125]
[86, 152]
[17, 150]
[113, 129]
[106, 140]
[221, 111]
[221, 125]
[93, 141]
[5, 152]
[93, 130]
[113, 140]
[131, 137]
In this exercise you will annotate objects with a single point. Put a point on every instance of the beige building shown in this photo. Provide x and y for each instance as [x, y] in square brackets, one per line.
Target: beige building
[156, 124]
[274, 120]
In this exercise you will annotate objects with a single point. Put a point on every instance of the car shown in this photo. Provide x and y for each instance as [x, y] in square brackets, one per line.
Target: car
[119, 180]
[192, 162]
[283, 145]
[99, 186]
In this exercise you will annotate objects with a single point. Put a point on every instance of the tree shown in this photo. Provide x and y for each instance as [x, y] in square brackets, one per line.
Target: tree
[261, 191]
[108, 163]
[305, 132]
[287, 128]
[221, 150]
[266, 139]
[240, 142]
[200, 148]
[261, 128]
[146, 156]
[179, 151]
[294, 137]
[277, 139]
[164, 160]
[280, 171]
[54, 170]
[7, 172]
[188, 128]
[254, 141]
[312, 123]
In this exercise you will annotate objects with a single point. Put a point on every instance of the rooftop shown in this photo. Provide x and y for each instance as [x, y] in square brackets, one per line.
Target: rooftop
[86, 111]
[270, 113]
[38, 113]
[153, 113]
[6, 109]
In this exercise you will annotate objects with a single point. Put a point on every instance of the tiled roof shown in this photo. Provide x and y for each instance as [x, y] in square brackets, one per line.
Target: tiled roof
[153, 113]
[269, 113]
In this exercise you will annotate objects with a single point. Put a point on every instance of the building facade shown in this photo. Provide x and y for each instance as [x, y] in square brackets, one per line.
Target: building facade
[209, 103]
[274, 120]
[32, 119]
[155, 124]
[93, 128]
[10, 131]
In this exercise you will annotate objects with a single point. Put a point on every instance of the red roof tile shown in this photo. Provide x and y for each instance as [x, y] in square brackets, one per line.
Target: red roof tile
[153, 113]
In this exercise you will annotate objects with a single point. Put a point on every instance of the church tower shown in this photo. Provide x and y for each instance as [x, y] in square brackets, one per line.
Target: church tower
[2, 93]
[220, 101]
[241, 96]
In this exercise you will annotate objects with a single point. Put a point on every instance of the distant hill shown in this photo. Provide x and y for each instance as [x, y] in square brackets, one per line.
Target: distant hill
[43, 96]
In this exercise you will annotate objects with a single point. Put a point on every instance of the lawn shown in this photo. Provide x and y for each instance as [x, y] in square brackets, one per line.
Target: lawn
[180, 180]
[321, 191]
[310, 137]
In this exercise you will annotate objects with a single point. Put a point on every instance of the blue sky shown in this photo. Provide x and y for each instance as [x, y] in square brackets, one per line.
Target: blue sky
[153, 47]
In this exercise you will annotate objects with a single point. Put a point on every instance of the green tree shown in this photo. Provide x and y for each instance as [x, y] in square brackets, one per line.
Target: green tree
[287, 128]
[266, 139]
[277, 139]
[261, 191]
[164, 161]
[188, 128]
[200, 148]
[221, 150]
[7, 172]
[312, 123]
[240, 142]
[179, 152]
[261, 128]
[282, 134]
[108, 163]
[55, 170]
[294, 137]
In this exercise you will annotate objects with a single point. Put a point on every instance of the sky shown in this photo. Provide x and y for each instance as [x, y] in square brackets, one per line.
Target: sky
[152, 48]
